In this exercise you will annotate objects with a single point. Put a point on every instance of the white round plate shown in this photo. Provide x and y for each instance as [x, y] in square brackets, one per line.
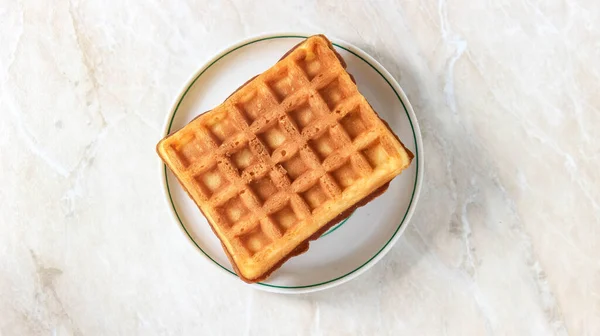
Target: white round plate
[347, 249]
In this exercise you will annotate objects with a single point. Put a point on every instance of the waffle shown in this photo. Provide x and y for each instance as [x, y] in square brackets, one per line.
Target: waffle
[289, 154]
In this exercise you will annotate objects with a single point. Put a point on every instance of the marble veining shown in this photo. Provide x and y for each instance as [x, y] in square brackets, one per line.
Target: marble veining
[505, 237]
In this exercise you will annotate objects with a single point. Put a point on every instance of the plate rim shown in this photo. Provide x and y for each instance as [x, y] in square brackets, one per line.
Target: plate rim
[391, 81]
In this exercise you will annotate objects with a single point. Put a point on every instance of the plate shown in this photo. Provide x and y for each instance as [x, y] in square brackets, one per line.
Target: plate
[347, 249]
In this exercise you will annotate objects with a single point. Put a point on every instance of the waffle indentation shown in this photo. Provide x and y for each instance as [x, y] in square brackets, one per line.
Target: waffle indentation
[272, 137]
[255, 240]
[211, 181]
[375, 154]
[332, 93]
[314, 196]
[243, 158]
[294, 167]
[233, 210]
[310, 64]
[263, 188]
[323, 145]
[285, 218]
[221, 127]
[345, 175]
[190, 150]
[283, 85]
[252, 106]
[353, 123]
[302, 116]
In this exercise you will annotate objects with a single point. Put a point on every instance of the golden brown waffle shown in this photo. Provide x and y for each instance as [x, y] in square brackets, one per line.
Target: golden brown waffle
[287, 155]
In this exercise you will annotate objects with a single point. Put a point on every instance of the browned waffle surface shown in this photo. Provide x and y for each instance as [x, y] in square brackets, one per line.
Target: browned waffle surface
[283, 156]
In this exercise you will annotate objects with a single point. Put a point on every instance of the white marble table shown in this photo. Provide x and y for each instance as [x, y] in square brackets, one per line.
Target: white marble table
[505, 239]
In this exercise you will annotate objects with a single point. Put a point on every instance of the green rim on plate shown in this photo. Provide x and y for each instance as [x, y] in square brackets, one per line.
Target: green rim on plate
[334, 228]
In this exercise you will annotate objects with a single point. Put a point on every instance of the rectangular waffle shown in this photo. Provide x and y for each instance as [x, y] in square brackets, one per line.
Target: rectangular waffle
[286, 156]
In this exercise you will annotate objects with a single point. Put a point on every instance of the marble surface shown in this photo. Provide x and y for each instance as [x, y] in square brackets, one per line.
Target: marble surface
[505, 239]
